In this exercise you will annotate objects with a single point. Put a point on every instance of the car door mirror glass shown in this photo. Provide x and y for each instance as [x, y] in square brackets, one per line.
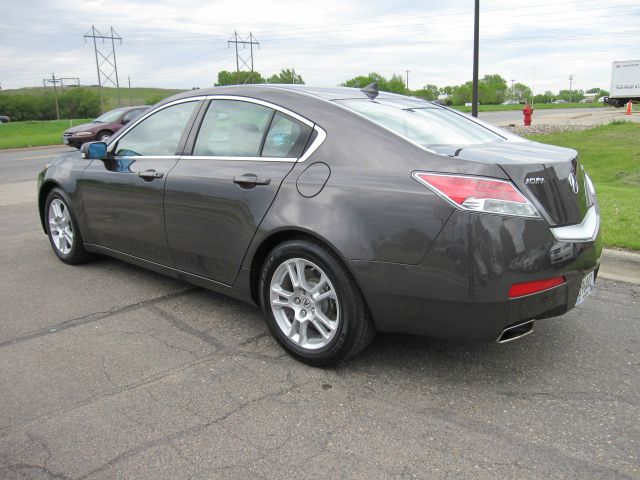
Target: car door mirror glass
[94, 151]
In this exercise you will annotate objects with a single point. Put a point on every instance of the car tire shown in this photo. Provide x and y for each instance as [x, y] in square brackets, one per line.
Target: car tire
[62, 229]
[104, 136]
[320, 316]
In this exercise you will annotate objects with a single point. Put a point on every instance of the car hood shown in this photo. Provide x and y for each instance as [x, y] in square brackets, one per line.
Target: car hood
[83, 128]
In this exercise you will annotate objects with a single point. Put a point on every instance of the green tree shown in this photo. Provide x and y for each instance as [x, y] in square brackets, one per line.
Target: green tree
[362, 81]
[285, 76]
[546, 97]
[395, 84]
[492, 89]
[79, 103]
[598, 91]
[571, 96]
[519, 91]
[428, 92]
[238, 78]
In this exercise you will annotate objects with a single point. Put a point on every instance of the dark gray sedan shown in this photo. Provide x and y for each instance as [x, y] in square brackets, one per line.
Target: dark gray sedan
[339, 211]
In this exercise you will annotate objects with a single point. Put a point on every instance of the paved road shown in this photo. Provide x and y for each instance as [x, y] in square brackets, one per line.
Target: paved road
[24, 164]
[564, 116]
[109, 371]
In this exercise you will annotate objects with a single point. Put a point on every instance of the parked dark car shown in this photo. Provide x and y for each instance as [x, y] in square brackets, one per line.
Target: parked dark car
[340, 212]
[4, 119]
[103, 127]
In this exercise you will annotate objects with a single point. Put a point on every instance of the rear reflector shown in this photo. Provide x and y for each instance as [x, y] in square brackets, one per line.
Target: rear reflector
[479, 194]
[527, 288]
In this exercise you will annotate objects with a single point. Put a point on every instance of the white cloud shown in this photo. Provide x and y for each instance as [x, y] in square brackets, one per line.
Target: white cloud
[184, 45]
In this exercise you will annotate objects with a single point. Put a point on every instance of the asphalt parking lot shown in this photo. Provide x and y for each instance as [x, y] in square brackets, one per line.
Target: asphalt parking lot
[110, 371]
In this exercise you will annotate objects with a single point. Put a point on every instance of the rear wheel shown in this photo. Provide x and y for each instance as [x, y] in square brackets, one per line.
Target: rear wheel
[62, 229]
[312, 305]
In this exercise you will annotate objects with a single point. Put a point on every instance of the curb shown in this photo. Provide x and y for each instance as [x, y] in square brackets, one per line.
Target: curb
[620, 265]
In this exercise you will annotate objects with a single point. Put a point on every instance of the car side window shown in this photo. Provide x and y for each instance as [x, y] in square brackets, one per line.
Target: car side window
[232, 128]
[286, 138]
[157, 135]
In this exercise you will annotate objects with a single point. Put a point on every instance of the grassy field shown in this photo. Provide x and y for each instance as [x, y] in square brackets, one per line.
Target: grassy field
[541, 106]
[137, 96]
[611, 155]
[34, 134]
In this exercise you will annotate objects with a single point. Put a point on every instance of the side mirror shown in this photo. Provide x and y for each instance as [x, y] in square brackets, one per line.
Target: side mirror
[94, 151]
[125, 121]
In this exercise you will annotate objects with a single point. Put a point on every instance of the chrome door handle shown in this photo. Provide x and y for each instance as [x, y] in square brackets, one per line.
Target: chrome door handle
[250, 180]
[150, 174]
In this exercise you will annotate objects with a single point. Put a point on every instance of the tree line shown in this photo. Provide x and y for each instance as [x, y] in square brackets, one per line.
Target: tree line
[76, 102]
[79, 102]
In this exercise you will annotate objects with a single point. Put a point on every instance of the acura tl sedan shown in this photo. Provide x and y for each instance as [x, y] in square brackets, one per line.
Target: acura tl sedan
[340, 212]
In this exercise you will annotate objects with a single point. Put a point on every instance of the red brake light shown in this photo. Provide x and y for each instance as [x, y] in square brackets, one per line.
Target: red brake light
[527, 288]
[479, 194]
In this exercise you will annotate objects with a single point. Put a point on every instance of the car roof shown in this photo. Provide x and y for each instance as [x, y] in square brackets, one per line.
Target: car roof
[325, 93]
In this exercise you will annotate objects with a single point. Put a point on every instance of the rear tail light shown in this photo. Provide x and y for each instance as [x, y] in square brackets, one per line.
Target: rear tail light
[478, 194]
[527, 288]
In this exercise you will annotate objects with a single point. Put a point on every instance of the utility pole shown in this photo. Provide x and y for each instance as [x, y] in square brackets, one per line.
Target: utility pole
[106, 65]
[247, 62]
[293, 75]
[476, 51]
[571, 87]
[130, 102]
[407, 83]
[53, 80]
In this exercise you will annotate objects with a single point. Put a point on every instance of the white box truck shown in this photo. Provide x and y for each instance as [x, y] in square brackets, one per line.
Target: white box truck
[625, 83]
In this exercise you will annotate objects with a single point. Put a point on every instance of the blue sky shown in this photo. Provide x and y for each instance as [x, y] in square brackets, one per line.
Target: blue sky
[184, 44]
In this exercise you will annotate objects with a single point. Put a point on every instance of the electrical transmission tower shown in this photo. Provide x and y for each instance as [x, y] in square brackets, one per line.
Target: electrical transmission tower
[55, 82]
[247, 62]
[106, 64]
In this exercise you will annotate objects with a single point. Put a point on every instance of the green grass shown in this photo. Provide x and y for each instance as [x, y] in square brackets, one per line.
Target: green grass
[33, 134]
[537, 106]
[137, 96]
[611, 156]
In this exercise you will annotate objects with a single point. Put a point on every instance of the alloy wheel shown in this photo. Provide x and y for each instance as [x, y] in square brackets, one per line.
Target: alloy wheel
[60, 227]
[304, 303]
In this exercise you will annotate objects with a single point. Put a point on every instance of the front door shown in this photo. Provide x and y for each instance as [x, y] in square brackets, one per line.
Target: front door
[216, 198]
[123, 195]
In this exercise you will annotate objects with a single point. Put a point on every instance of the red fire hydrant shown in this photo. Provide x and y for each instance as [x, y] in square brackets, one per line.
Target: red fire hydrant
[527, 111]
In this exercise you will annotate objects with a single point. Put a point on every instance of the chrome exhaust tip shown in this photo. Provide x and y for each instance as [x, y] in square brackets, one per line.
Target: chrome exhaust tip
[515, 332]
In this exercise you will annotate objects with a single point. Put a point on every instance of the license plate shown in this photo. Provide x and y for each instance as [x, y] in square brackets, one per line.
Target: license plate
[585, 288]
[65, 140]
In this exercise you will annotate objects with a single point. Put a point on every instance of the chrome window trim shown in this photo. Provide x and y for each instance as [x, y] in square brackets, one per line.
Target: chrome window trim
[320, 137]
[264, 103]
[245, 159]
[586, 231]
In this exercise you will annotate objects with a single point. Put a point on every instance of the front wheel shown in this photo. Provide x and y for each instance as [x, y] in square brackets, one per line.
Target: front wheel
[63, 230]
[312, 305]
[104, 136]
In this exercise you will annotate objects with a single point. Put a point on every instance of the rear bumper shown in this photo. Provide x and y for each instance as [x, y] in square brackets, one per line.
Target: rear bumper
[460, 289]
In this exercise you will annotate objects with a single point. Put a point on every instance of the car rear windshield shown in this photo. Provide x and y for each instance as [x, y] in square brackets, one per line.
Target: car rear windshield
[423, 123]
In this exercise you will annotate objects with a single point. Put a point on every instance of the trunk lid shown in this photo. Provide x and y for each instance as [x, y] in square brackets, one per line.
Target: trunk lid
[550, 177]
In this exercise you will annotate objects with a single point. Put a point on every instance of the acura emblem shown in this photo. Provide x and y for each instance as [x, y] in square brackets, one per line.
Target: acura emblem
[573, 183]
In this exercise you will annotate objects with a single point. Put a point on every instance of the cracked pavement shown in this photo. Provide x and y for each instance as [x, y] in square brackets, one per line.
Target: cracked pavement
[109, 371]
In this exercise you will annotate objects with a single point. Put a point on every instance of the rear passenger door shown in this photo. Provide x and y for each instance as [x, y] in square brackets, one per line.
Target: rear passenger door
[216, 197]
